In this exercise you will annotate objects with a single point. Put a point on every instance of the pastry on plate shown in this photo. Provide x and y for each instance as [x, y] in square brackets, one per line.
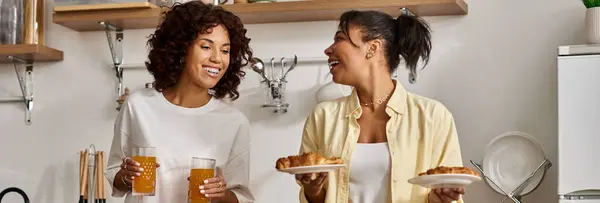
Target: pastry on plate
[306, 159]
[450, 170]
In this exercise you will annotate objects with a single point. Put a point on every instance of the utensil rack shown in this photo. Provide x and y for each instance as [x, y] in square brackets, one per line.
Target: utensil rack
[274, 84]
[91, 176]
[515, 195]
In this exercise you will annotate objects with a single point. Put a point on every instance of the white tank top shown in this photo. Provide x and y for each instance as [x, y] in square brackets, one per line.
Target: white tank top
[370, 173]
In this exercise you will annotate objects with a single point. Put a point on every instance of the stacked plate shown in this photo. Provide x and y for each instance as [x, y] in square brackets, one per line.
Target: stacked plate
[510, 159]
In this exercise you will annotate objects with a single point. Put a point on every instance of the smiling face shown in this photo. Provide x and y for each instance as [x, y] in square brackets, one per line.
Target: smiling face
[208, 57]
[347, 61]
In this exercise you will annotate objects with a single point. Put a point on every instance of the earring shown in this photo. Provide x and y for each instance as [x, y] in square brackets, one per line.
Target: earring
[369, 55]
[412, 76]
[181, 61]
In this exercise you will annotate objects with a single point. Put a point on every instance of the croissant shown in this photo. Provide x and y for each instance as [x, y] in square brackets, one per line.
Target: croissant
[450, 170]
[306, 159]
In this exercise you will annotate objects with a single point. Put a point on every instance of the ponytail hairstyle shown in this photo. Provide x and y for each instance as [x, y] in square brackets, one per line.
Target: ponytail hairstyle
[406, 36]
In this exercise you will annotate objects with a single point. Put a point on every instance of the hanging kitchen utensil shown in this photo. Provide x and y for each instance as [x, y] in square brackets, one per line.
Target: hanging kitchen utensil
[102, 179]
[282, 62]
[290, 68]
[84, 177]
[82, 158]
[272, 68]
[259, 67]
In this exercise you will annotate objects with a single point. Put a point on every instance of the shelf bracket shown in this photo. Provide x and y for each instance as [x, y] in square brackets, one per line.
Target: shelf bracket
[26, 84]
[116, 52]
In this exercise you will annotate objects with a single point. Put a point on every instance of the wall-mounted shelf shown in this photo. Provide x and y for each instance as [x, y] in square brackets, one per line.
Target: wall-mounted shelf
[26, 54]
[29, 52]
[255, 13]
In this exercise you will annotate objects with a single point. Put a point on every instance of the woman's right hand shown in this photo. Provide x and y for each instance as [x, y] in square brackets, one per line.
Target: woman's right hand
[313, 184]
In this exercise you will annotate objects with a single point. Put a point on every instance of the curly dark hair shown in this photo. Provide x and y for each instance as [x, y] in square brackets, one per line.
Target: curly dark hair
[178, 30]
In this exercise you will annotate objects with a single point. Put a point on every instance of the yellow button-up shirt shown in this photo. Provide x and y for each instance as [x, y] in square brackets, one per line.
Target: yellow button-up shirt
[421, 134]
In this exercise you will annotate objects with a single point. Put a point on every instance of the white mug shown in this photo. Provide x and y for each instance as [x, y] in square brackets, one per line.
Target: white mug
[332, 91]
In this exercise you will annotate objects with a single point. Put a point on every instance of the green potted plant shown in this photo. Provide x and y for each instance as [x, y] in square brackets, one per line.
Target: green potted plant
[592, 21]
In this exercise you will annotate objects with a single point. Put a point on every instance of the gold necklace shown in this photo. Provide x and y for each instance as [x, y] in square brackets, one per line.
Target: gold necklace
[378, 102]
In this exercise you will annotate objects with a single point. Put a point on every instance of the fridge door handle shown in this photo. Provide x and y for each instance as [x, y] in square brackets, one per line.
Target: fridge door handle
[589, 194]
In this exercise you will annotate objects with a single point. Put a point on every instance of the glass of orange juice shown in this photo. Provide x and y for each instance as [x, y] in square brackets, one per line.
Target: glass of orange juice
[202, 169]
[145, 184]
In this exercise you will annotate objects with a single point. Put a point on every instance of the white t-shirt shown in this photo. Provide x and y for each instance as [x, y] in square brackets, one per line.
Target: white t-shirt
[215, 130]
[370, 173]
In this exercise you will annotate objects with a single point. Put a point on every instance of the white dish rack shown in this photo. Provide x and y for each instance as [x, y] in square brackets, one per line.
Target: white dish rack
[508, 165]
[514, 195]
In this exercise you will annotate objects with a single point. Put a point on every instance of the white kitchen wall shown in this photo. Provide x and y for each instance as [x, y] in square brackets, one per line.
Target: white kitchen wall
[494, 69]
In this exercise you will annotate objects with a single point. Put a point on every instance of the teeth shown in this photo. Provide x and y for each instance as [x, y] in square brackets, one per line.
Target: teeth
[333, 63]
[212, 70]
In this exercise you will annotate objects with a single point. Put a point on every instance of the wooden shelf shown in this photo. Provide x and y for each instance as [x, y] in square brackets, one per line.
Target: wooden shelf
[30, 52]
[256, 13]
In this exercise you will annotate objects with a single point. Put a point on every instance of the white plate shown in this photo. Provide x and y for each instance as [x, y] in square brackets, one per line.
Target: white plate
[312, 169]
[510, 158]
[444, 180]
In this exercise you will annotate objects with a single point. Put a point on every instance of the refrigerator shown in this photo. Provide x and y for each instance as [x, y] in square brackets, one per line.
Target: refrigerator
[578, 124]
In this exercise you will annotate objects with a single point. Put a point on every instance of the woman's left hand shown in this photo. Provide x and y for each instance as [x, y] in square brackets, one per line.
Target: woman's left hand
[214, 188]
[445, 195]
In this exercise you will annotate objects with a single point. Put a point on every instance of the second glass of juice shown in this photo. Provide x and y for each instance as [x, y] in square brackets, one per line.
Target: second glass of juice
[202, 169]
[145, 184]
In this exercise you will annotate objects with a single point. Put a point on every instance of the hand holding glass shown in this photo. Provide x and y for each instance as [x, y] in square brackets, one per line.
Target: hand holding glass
[145, 184]
[202, 169]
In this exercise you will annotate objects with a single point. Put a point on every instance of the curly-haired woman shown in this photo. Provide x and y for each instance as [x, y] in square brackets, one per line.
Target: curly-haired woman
[196, 57]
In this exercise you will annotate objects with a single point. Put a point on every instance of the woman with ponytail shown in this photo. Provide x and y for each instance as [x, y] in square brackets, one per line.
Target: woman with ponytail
[385, 134]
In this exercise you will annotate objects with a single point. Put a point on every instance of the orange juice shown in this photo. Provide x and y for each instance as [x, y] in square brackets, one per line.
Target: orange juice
[197, 177]
[145, 183]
